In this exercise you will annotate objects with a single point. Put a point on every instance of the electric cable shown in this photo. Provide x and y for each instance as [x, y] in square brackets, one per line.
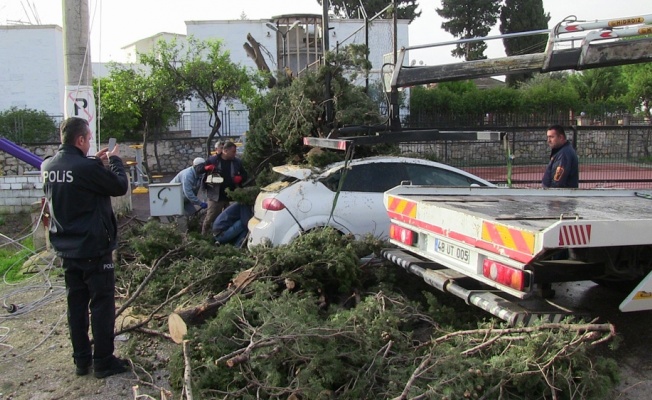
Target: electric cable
[25, 352]
[30, 294]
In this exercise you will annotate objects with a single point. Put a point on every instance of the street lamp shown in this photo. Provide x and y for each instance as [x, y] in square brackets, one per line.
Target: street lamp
[284, 35]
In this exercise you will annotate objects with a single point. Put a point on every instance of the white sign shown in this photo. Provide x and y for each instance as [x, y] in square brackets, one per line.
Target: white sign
[80, 102]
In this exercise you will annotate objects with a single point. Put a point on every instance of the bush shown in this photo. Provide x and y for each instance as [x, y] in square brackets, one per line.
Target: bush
[27, 125]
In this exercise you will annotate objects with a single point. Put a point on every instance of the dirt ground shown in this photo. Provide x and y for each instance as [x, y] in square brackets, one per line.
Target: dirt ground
[35, 352]
[36, 363]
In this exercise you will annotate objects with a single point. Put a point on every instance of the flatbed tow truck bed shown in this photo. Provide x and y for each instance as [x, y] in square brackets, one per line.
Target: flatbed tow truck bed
[501, 248]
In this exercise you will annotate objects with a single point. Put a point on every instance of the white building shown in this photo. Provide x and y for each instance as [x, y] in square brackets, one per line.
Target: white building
[33, 74]
[32, 70]
[144, 46]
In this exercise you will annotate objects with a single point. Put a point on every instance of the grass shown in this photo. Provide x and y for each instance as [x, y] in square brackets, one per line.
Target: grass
[14, 254]
[12, 259]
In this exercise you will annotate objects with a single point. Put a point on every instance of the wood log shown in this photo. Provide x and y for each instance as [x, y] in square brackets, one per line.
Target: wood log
[195, 315]
[253, 51]
[178, 328]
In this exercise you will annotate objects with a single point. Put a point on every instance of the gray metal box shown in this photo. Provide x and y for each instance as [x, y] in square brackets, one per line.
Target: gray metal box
[165, 199]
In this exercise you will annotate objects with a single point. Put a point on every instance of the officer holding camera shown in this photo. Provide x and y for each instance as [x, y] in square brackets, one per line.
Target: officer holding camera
[83, 232]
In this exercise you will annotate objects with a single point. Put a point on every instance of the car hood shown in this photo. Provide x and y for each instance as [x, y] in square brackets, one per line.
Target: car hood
[294, 171]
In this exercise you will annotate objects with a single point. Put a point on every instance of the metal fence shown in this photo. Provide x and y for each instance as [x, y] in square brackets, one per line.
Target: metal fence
[610, 156]
[614, 149]
[234, 123]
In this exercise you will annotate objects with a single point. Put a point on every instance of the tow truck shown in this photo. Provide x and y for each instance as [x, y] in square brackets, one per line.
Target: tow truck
[501, 249]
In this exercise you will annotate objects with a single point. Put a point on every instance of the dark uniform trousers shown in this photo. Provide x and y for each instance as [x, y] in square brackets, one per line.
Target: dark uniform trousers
[90, 283]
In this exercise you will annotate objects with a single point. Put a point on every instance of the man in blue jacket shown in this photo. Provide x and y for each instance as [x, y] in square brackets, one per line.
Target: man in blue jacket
[191, 180]
[563, 169]
[83, 232]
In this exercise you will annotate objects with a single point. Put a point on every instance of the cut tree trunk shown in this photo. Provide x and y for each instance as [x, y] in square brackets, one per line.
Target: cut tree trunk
[195, 315]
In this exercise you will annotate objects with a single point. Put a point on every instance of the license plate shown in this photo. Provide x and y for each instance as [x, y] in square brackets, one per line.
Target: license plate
[450, 250]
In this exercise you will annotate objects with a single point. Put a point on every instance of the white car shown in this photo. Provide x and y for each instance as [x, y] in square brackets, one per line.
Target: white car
[303, 199]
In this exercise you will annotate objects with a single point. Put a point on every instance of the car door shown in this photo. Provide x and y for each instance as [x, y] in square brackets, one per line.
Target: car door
[359, 206]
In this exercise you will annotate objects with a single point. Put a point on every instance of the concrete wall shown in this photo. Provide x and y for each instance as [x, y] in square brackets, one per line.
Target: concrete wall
[23, 193]
[19, 192]
[21, 186]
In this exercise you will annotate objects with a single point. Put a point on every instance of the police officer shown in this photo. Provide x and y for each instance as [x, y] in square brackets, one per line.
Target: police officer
[563, 169]
[83, 233]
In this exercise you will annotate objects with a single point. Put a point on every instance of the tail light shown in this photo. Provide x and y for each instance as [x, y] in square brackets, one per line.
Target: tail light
[508, 276]
[401, 234]
[272, 204]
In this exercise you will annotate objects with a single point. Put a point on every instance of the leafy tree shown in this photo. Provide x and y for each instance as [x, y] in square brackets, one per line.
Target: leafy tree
[600, 89]
[461, 103]
[638, 78]
[546, 95]
[523, 16]
[469, 19]
[136, 102]
[26, 125]
[639, 81]
[597, 84]
[205, 71]
[549, 92]
[351, 8]
[117, 119]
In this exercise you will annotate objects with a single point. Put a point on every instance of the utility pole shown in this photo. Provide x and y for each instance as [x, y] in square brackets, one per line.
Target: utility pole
[79, 99]
[327, 79]
[394, 108]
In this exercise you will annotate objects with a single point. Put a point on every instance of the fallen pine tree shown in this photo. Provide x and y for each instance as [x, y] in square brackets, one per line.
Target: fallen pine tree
[309, 322]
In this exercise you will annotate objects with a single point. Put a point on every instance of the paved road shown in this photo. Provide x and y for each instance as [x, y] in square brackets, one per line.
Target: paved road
[633, 330]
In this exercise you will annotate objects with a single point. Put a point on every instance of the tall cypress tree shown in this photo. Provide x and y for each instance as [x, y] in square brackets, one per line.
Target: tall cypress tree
[522, 16]
[407, 9]
[468, 19]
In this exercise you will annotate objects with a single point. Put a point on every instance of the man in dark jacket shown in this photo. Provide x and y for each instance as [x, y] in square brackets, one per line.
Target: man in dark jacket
[83, 232]
[224, 170]
[563, 169]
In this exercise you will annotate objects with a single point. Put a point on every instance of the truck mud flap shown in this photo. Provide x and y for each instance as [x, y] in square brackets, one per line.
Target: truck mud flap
[510, 309]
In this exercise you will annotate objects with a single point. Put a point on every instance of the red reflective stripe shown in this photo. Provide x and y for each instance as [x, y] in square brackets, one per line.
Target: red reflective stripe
[494, 235]
[574, 235]
[571, 232]
[520, 242]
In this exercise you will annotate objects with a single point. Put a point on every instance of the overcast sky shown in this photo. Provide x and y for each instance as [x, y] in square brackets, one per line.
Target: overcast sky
[117, 23]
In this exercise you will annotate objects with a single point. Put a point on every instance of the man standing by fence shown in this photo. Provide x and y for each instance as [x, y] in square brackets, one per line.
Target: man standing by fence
[563, 169]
